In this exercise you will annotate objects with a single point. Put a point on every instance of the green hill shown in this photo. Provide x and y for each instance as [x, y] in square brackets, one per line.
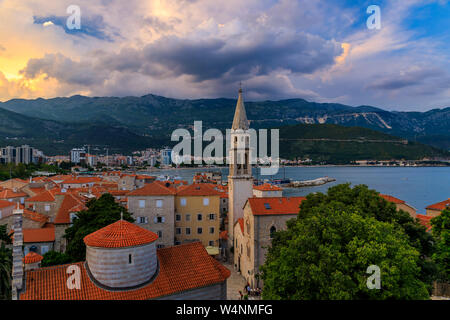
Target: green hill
[338, 145]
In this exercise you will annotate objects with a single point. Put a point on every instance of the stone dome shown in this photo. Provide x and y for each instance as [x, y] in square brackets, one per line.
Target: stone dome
[121, 255]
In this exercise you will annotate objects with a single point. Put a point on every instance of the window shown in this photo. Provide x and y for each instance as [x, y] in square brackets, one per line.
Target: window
[159, 203]
[188, 217]
[272, 231]
[130, 259]
[141, 203]
[188, 230]
[142, 220]
[199, 217]
[160, 246]
[211, 243]
[211, 230]
[206, 201]
[212, 216]
[178, 217]
[44, 250]
[160, 234]
[177, 243]
[47, 207]
[160, 219]
[178, 230]
[199, 230]
[183, 202]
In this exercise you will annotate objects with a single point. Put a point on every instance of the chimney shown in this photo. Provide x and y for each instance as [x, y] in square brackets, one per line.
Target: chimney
[17, 270]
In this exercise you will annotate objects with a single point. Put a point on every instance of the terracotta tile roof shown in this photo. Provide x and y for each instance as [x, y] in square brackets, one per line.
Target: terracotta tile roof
[119, 192]
[45, 196]
[424, 220]
[32, 257]
[440, 205]
[198, 189]
[120, 234]
[144, 177]
[391, 199]
[267, 187]
[10, 194]
[183, 267]
[275, 205]
[6, 204]
[241, 224]
[223, 235]
[152, 189]
[35, 216]
[69, 204]
[81, 180]
[46, 234]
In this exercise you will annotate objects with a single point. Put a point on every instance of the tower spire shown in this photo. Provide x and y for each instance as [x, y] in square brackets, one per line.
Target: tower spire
[240, 116]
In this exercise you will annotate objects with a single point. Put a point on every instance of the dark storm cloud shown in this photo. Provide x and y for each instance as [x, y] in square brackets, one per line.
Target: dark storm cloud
[254, 54]
[90, 26]
[412, 78]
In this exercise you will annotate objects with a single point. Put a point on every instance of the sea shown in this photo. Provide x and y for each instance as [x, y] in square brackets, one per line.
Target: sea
[418, 186]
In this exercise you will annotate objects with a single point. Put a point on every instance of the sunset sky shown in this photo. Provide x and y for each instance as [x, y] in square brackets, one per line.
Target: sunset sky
[317, 50]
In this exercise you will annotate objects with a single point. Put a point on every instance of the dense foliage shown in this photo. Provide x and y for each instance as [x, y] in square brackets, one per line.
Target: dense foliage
[24, 171]
[441, 231]
[53, 258]
[100, 213]
[5, 265]
[326, 250]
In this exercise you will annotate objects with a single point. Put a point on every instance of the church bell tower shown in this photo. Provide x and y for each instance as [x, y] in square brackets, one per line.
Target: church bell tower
[240, 180]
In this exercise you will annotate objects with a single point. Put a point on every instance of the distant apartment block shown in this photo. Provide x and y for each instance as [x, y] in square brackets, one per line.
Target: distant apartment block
[22, 154]
[166, 156]
[78, 155]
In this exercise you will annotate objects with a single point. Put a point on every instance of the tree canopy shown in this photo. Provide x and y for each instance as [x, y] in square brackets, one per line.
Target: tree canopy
[326, 250]
[441, 231]
[100, 213]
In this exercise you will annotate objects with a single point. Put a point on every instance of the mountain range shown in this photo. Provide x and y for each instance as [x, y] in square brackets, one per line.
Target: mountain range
[150, 119]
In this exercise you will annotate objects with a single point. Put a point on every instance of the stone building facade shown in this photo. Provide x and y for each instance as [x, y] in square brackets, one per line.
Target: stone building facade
[262, 217]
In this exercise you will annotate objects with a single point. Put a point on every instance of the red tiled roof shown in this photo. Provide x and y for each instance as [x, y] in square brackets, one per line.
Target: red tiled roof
[45, 196]
[69, 204]
[120, 234]
[391, 199]
[267, 187]
[46, 234]
[241, 224]
[152, 189]
[440, 205]
[32, 257]
[424, 220]
[81, 180]
[181, 268]
[223, 235]
[275, 205]
[119, 192]
[6, 204]
[198, 189]
[10, 194]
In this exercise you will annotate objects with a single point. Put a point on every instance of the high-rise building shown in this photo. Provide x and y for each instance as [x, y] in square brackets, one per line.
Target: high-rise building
[78, 155]
[22, 154]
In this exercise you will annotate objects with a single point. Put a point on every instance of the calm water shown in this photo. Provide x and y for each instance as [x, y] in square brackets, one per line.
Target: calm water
[419, 187]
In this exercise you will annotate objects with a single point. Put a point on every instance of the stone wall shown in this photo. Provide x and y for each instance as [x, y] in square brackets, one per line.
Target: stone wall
[151, 212]
[112, 267]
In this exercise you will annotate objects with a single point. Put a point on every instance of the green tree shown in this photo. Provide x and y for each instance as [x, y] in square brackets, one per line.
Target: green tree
[5, 272]
[53, 258]
[100, 213]
[4, 236]
[325, 251]
[441, 231]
